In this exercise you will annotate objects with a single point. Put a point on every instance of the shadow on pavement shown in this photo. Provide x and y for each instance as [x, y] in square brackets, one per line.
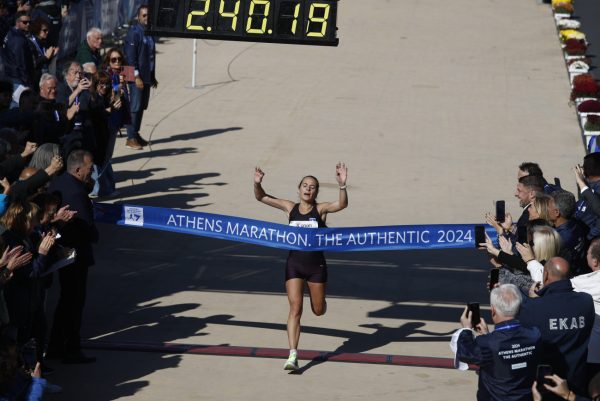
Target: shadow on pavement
[135, 268]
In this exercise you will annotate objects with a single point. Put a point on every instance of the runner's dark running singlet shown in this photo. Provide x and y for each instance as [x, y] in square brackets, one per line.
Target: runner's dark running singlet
[306, 265]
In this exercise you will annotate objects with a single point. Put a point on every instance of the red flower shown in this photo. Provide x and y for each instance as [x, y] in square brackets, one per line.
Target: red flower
[589, 106]
[575, 47]
[585, 89]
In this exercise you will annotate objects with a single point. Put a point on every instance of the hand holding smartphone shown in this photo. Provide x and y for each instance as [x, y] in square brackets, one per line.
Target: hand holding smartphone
[540, 377]
[479, 235]
[494, 277]
[473, 308]
[500, 211]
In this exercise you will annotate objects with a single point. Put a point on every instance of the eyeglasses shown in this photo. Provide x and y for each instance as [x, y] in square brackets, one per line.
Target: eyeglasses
[115, 59]
[25, 22]
[45, 30]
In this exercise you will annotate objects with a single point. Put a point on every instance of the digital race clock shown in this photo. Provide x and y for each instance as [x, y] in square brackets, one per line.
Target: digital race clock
[309, 22]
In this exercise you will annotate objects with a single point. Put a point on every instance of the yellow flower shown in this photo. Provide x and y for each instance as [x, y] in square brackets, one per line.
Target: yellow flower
[557, 2]
[566, 34]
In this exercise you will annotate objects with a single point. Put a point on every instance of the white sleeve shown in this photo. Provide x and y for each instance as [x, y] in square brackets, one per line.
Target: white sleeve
[536, 270]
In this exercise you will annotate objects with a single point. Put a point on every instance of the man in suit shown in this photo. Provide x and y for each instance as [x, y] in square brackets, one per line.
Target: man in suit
[140, 52]
[79, 233]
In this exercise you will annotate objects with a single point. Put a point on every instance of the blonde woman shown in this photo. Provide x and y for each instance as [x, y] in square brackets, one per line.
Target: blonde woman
[546, 245]
[540, 207]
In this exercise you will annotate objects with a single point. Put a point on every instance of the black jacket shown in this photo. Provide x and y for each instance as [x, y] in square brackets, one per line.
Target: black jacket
[80, 232]
[565, 319]
[507, 359]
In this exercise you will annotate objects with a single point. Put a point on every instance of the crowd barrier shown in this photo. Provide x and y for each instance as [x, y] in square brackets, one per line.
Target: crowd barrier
[339, 239]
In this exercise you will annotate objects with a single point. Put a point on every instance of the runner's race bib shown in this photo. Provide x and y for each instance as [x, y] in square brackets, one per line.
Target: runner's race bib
[312, 223]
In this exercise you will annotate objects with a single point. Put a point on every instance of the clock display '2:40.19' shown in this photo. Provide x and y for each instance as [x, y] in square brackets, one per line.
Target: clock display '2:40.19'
[283, 21]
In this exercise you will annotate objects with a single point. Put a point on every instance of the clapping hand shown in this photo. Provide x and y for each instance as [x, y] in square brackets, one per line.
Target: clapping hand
[48, 240]
[505, 244]
[526, 252]
[64, 214]
[9, 253]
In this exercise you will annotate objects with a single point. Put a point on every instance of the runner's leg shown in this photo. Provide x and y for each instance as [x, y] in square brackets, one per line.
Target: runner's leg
[317, 298]
[295, 293]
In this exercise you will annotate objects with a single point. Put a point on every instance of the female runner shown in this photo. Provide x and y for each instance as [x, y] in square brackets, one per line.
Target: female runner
[304, 266]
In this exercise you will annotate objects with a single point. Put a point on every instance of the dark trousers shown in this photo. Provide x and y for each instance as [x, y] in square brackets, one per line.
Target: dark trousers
[65, 336]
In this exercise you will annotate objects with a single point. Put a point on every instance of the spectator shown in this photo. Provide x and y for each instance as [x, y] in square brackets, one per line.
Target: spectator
[530, 168]
[565, 319]
[49, 10]
[18, 58]
[74, 88]
[539, 209]
[79, 233]
[507, 358]
[527, 188]
[41, 51]
[15, 383]
[590, 284]
[140, 51]
[591, 171]
[53, 116]
[103, 105]
[89, 50]
[572, 233]
[20, 220]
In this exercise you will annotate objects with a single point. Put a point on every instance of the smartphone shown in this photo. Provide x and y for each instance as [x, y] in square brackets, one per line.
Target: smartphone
[542, 372]
[128, 73]
[479, 235]
[473, 307]
[494, 277]
[500, 211]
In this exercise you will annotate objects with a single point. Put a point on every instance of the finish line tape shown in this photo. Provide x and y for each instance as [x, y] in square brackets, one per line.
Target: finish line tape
[239, 229]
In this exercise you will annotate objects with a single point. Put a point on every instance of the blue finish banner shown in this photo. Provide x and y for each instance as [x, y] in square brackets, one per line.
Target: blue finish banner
[341, 239]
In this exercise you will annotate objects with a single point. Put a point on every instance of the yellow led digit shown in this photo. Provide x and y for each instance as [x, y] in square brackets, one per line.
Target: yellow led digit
[263, 28]
[296, 14]
[233, 15]
[322, 20]
[191, 15]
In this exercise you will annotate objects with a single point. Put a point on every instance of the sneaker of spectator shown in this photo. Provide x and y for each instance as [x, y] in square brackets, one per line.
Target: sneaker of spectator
[132, 143]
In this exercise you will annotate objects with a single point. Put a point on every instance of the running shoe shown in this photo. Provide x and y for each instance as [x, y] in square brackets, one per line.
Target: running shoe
[292, 362]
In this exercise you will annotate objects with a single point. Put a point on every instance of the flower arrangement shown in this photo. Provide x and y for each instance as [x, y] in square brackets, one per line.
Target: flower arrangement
[585, 60]
[575, 47]
[567, 34]
[568, 24]
[579, 66]
[555, 3]
[584, 85]
[592, 123]
[589, 106]
[563, 8]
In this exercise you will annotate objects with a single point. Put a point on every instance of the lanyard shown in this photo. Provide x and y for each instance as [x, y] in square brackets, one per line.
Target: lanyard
[34, 40]
[508, 327]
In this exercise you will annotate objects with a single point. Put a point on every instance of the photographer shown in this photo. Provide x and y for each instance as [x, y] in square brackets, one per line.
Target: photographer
[507, 357]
